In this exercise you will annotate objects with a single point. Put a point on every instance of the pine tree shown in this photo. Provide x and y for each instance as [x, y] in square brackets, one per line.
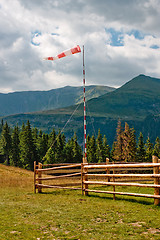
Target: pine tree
[42, 145]
[28, 152]
[15, 152]
[99, 150]
[49, 157]
[1, 126]
[129, 144]
[23, 128]
[141, 149]
[91, 149]
[156, 150]
[112, 151]
[69, 150]
[133, 148]
[35, 135]
[89, 157]
[149, 150]
[106, 148]
[63, 139]
[73, 151]
[60, 148]
[52, 139]
[117, 152]
[6, 143]
[126, 144]
[77, 151]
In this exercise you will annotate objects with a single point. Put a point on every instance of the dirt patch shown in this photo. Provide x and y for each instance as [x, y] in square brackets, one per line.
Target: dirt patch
[137, 224]
[153, 230]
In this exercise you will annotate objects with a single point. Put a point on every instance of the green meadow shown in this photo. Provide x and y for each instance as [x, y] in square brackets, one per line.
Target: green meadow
[66, 214]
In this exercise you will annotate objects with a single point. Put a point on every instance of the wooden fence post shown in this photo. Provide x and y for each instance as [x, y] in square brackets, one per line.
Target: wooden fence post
[34, 176]
[114, 196]
[82, 170]
[85, 161]
[39, 176]
[156, 180]
[85, 174]
[107, 169]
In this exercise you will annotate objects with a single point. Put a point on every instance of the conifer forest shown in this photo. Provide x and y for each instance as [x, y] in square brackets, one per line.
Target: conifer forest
[21, 146]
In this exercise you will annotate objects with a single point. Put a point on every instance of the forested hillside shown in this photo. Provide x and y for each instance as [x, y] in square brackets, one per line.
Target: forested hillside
[21, 147]
[31, 101]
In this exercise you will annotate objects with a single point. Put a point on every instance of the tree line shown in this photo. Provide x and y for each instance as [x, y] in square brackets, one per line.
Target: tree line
[22, 146]
[125, 148]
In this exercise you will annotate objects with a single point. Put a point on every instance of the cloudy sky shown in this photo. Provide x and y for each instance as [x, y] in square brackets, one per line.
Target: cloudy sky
[121, 38]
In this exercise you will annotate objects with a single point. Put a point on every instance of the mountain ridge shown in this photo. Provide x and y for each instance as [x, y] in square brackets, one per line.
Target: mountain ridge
[31, 101]
[137, 98]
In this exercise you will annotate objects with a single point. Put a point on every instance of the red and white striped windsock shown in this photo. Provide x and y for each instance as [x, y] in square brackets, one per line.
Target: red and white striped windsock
[71, 51]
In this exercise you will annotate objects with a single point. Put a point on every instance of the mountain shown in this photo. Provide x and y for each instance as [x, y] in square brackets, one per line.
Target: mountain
[137, 102]
[135, 99]
[31, 101]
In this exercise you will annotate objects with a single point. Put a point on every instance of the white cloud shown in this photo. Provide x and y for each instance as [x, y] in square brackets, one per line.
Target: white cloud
[31, 30]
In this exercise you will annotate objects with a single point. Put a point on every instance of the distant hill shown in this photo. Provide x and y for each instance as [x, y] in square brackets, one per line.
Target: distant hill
[137, 102]
[31, 101]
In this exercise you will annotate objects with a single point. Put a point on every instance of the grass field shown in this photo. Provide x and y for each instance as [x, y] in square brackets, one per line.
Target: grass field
[66, 214]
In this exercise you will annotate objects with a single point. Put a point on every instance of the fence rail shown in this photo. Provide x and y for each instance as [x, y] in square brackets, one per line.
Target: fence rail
[115, 179]
[59, 172]
[81, 176]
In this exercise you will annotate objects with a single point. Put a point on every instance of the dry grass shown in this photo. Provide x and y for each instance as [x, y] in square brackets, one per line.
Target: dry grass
[15, 177]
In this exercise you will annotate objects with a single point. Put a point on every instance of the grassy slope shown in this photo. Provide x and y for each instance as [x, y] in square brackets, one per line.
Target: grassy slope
[64, 214]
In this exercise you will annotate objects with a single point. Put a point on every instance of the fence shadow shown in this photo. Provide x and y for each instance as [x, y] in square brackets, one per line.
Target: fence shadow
[119, 198]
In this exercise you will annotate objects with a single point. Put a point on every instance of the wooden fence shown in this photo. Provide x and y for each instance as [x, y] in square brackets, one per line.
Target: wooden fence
[81, 176]
[65, 176]
[117, 175]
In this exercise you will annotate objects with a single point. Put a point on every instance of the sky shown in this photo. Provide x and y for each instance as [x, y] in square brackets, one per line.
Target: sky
[121, 40]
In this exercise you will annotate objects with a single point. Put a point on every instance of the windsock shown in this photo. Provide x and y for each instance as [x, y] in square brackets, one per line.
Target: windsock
[65, 53]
